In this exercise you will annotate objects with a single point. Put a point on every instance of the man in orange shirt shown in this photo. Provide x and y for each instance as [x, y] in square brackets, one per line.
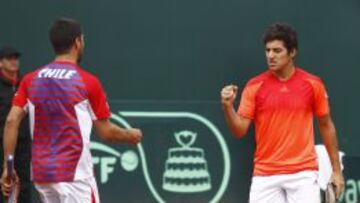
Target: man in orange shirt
[282, 102]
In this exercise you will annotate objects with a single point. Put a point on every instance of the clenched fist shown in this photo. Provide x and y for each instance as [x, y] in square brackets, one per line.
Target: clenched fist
[228, 95]
[134, 135]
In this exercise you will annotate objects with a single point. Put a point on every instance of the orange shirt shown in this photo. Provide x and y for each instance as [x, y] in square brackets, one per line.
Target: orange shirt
[283, 115]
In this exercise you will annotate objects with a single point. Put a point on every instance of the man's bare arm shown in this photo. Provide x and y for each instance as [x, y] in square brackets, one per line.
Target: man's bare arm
[113, 133]
[328, 134]
[12, 124]
[238, 125]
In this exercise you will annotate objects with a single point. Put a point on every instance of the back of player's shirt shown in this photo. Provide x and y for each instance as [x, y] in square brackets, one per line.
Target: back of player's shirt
[62, 101]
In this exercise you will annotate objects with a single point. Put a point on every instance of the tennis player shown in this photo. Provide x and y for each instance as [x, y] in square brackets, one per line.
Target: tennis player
[282, 102]
[64, 102]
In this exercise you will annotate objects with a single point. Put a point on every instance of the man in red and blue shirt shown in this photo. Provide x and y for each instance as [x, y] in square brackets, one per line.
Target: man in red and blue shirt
[63, 102]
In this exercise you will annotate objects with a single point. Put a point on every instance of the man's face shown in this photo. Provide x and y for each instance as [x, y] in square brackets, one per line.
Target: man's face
[277, 56]
[10, 63]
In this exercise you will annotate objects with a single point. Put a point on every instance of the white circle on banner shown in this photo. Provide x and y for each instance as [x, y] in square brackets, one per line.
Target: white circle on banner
[129, 160]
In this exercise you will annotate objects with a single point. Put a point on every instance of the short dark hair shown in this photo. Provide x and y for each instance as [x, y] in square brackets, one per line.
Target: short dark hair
[284, 33]
[63, 33]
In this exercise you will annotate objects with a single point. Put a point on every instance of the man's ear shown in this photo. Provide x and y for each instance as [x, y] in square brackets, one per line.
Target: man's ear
[78, 42]
[293, 53]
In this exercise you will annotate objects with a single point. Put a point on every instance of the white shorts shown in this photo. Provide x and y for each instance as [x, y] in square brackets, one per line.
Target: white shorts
[81, 191]
[290, 188]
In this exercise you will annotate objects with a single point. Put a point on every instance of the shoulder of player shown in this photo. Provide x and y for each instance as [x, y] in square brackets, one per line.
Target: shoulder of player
[91, 82]
[311, 78]
[258, 79]
[30, 75]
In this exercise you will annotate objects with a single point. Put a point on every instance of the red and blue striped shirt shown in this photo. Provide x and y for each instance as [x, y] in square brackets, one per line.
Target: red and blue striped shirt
[62, 101]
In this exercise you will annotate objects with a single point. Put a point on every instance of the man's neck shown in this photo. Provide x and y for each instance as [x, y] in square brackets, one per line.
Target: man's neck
[285, 73]
[10, 75]
[67, 58]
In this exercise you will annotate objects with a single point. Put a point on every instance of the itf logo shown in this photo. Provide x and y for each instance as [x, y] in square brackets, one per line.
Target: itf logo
[128, 160]
[183, 156]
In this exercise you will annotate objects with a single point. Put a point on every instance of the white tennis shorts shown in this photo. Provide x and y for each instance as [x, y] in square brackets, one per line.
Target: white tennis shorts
[289, 188]
[82, 191]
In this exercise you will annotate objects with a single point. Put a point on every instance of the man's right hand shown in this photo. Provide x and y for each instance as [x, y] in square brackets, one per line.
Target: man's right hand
[7, 183]
[228, 95]
[134, 135]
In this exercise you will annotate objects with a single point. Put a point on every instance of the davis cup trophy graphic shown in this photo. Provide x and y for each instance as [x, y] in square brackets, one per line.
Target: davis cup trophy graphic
[186, 168]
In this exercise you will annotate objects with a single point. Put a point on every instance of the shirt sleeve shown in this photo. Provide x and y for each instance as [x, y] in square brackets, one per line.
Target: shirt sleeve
[98, 100]
[321, 100]
[21, 97]
[247, 102]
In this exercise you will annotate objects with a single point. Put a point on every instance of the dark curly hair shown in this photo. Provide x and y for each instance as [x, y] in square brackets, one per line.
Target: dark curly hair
[284, 33]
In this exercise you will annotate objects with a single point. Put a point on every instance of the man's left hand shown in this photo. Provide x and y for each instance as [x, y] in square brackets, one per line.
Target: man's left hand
[337, 179]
